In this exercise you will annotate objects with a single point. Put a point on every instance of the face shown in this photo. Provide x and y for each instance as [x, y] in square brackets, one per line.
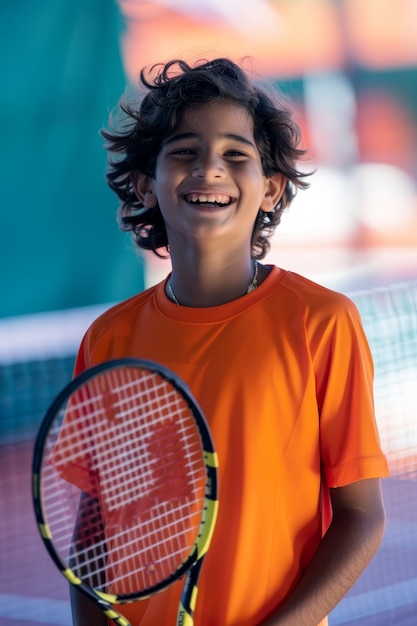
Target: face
[209, 180]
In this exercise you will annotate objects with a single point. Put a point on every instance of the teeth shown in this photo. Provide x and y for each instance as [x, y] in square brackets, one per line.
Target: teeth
[215, 198]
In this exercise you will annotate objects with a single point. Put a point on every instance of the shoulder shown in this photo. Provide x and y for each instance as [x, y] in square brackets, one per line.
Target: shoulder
[118, 320]
[315, 300]
[331, 322]
[328, 318]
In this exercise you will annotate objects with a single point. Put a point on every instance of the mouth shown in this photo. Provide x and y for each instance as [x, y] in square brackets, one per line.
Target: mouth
[209, 199]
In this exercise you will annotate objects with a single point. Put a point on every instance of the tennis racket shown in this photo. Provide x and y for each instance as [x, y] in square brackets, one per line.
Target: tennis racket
[125, 485]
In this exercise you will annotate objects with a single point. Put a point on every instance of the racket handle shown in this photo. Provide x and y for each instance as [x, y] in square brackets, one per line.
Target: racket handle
[189, 596]
[84, 611]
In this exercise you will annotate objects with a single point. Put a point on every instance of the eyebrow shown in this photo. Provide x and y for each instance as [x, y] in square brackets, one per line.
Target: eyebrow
[238, 138]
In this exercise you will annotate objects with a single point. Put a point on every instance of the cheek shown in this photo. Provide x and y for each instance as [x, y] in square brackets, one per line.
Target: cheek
[164, 183]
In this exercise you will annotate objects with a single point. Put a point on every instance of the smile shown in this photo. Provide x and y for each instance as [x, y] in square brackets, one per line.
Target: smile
[217, 199]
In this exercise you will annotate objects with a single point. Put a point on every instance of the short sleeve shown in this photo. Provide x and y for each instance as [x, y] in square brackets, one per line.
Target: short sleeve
[349, 439]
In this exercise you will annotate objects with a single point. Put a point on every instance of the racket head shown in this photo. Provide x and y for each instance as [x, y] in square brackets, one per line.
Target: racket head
[125, 480]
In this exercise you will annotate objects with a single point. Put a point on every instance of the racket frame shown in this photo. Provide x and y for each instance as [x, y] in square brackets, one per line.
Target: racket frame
[192, 563]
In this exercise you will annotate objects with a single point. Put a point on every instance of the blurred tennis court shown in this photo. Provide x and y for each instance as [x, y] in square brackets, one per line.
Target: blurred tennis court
[36, 360]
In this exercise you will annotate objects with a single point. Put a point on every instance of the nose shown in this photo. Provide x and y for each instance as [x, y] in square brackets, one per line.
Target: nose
[209, 165]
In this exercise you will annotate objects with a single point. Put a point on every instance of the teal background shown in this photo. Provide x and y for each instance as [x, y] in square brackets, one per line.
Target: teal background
[60, 246]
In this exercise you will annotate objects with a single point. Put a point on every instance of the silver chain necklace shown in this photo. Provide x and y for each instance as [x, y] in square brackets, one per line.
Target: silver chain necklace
[253, 285]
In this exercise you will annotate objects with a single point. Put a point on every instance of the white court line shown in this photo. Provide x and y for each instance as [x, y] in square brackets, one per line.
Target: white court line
[377, 602]
[37, 610]
[54, 333]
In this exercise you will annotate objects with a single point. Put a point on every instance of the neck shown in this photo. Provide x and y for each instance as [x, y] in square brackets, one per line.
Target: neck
[200, 286]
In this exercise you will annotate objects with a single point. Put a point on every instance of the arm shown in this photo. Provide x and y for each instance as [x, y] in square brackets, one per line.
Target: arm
[351, 541]
[84, 611]
[88, 531]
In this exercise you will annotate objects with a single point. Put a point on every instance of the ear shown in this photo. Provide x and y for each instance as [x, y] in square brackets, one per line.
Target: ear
[275, 187]
[143, 186]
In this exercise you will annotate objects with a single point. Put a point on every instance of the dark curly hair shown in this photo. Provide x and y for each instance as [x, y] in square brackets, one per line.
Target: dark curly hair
[176, 86]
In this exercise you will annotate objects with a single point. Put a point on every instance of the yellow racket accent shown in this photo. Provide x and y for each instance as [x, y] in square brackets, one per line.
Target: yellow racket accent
[45, 531]
[208, 529]
[211, 459]
[108, 597]
[114, 615]
[185, 618]
[71, 577]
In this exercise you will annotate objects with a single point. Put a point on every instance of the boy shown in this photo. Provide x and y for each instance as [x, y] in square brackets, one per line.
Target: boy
[279, 365]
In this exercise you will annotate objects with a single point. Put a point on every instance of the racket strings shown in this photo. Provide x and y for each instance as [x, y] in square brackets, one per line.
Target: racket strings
[131, 441]
[115, 436]
[89, 560]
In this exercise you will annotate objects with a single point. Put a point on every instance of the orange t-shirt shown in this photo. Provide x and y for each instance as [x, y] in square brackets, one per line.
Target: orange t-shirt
[284, 377]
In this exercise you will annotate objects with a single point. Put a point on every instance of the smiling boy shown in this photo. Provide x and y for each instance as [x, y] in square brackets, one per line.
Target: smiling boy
[209, 185]
[279, 364]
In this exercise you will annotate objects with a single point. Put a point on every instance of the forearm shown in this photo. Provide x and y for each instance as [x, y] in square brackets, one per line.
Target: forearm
[88, 551]
[347, 548]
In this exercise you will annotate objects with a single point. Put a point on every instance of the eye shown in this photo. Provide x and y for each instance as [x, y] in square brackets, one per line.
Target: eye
[183, 152]
[235, 154]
